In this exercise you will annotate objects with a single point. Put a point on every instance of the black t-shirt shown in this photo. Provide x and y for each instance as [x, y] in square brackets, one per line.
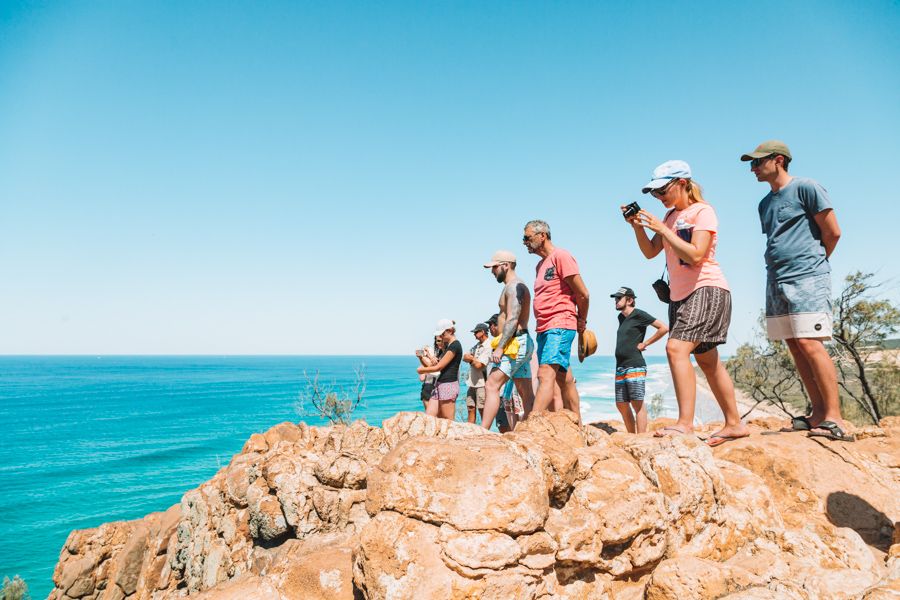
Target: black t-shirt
[631, 333]
[451, 371]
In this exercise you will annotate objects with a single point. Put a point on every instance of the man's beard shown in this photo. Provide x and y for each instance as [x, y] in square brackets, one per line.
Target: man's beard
[501, 275]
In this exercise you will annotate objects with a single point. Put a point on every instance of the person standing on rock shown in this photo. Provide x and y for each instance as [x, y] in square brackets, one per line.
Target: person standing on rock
[801, 234]
[631, 368]
[477, 358]
[561, 302]
[512, 352]
[700, 307]
[503, 422]
[443, 399]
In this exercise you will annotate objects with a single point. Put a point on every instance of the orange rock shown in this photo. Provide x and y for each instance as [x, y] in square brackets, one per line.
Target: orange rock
[427, 508]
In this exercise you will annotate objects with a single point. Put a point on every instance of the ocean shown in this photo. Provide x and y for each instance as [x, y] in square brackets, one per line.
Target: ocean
[95, 439]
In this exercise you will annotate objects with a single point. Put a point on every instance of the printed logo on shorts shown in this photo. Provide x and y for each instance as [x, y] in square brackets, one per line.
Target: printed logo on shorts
[818, 327]
[550, 273]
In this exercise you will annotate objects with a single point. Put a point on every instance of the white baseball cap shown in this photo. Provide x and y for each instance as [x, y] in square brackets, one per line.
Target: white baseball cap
[443, 325]
[666, 172]
[500, 256]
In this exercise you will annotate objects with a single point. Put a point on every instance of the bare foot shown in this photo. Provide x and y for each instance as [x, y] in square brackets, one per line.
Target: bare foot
[728, 433]
[670, 430]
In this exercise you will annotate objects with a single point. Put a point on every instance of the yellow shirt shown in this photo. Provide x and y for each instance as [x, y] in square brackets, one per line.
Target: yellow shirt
[512, 346]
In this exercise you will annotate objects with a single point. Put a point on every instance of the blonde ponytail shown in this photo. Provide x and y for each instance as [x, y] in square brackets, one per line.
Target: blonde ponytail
[694, 192]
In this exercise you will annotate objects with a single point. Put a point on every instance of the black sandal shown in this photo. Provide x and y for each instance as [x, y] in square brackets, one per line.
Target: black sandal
[832, 431]
[797, 424]
[801, 424]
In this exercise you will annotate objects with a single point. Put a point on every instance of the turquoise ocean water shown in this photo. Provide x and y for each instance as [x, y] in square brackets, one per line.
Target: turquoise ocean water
[88, 440]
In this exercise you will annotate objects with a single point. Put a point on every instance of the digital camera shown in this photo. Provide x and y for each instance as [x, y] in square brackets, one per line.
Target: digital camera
[631, 210]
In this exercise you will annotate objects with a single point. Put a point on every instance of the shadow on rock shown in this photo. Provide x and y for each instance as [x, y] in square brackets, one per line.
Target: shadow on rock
[605, 427]
[872, 525]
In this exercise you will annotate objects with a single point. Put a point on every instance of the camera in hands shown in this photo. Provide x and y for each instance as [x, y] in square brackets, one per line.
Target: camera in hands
[631, 210]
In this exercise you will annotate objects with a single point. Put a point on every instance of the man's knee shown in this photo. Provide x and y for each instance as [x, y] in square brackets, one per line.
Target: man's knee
[547, 373]
[494, 382]
[809, 346]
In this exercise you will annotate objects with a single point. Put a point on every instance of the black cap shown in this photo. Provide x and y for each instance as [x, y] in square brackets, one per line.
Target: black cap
[481, 327]
[493, 319]
[623, 291]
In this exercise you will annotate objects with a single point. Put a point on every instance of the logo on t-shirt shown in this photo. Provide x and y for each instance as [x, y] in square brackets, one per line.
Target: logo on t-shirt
[550, 273]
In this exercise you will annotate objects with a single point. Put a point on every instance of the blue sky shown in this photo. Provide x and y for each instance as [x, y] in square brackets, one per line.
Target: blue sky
[328, 177]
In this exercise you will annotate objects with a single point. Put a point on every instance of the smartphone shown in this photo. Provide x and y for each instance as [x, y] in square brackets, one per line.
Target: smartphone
[420, 352]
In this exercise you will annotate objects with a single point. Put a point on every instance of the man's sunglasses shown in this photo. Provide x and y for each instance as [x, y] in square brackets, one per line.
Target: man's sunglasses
[758, 161]
[527, 238]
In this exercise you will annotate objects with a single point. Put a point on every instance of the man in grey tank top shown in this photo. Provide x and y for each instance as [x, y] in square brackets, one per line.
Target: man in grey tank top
[801, 233]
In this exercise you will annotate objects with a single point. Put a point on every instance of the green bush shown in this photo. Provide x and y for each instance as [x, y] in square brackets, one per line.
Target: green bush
[14, 589]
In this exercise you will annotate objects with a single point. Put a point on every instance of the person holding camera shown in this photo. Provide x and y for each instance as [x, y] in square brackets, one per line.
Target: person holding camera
[429, 356]
[442, 402]
[700, 307]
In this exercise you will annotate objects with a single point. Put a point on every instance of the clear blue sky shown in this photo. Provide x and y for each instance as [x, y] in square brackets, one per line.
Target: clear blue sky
[328, 177]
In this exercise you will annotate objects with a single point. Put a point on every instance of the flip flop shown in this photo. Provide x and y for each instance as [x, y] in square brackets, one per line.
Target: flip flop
[669, 428]
[717, 440]
[832, 431]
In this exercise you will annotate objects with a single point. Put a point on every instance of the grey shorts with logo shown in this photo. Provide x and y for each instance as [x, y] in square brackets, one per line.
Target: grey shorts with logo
[799, 309]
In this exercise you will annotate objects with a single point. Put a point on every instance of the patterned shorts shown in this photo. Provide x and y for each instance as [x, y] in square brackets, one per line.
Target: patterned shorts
[446, 392]
[703, 317]
[799, 309]
[555, 347]
[630, 382]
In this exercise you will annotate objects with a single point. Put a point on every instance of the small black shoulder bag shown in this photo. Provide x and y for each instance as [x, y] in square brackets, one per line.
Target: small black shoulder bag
[661, 287]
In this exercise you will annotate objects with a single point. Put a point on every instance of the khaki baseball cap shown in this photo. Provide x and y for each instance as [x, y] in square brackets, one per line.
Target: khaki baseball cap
[767, 148]
[500, 256]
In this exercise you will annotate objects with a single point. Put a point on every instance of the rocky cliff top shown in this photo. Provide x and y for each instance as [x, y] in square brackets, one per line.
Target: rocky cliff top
[426, 508]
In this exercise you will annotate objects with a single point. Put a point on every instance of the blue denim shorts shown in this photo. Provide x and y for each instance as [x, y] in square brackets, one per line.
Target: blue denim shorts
[520, 366]
[799, 309]
[555, 347]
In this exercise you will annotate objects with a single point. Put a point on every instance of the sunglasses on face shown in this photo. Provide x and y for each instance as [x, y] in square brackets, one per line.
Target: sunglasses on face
[758, 161]
[528, 238]
[663, 190]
